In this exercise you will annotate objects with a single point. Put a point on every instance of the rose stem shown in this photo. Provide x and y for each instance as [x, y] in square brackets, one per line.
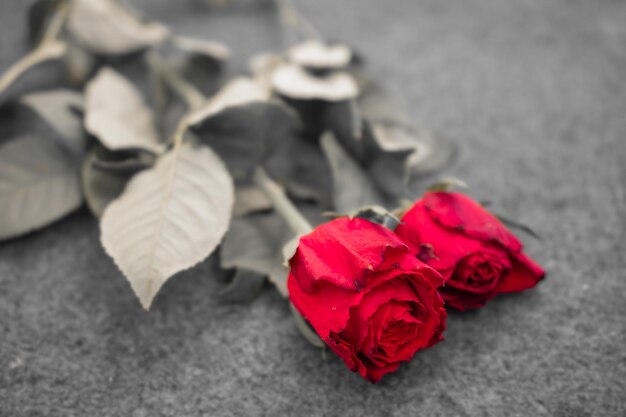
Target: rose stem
[291, 17]
[192, 97]
[296, 221]
[56, 24]
[300, 226]
[50, 47]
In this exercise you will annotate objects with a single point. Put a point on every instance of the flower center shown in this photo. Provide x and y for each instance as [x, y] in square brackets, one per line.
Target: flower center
[480, 271]
[400, 325]
[484, 273]
[395, 335]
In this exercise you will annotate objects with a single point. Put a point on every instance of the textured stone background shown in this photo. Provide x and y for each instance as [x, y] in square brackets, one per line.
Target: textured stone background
[534, 94]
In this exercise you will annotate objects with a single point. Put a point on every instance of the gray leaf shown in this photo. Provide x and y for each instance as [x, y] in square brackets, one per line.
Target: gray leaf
[384, 157]
[169, 218]
[390, 152]
[292, 81]
[301, 166]
[352, 187]
[79, 63]
[317, 55]
[247, 135]
[378, 215]
[39, 183]
[211, 49]
[447, 184]
[261, 243]
[58, 109]
[104, 178]
[122, 163]
[107, 27]
[116, 114]
[345, 120]
[426, 154]
[250, 199]
[243, 287]
[391, 147]
[376, 102]
[237, 92]
[387, 161]
[255, 243]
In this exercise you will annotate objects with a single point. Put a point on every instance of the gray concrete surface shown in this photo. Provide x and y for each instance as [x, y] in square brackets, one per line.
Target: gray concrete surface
[533, 92]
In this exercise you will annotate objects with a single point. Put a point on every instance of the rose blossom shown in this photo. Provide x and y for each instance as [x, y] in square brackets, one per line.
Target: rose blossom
[476, 254]
[371, 301]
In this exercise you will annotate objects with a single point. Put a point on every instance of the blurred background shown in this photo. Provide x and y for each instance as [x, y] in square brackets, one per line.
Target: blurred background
[532, 93]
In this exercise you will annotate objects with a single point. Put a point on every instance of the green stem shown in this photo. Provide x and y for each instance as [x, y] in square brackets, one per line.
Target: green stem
[296, 221]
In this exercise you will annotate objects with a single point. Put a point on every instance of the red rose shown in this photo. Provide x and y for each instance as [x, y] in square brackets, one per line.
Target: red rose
[476, 254]
[366, 295]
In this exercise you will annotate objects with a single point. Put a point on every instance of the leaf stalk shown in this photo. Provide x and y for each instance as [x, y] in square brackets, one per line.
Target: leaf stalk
[192, 97]
[292, 18]
[296, 221]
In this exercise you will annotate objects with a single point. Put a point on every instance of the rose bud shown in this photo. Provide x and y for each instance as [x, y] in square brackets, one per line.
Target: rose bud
[368, 298]
[476, 254]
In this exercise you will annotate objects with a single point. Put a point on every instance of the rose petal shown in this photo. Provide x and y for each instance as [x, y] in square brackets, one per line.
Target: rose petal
[460, 212]
[328, 316]
[343, 252]
[359, 327]
[461, 300]
[445, 246]
[374, 373]
[346, 352]
[525, 273]
[398, 345]
[487, 253]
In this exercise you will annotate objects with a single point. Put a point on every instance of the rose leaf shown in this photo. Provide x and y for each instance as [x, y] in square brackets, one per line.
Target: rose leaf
[235, 93]
[393, 130]
[301, 166]
[169, 218]
[447, 184]
[244, 127]
[246, 136]
[116, 114]
[39, 183]
[352, 187]
[318, 55]
[79, 63]
[201, 47]
[254, 243]
[59, 109]
[105, 174]
[376, 102]
[294, 82]
[107, 27]
[244, 287]
[426, 154]
[250, 199]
